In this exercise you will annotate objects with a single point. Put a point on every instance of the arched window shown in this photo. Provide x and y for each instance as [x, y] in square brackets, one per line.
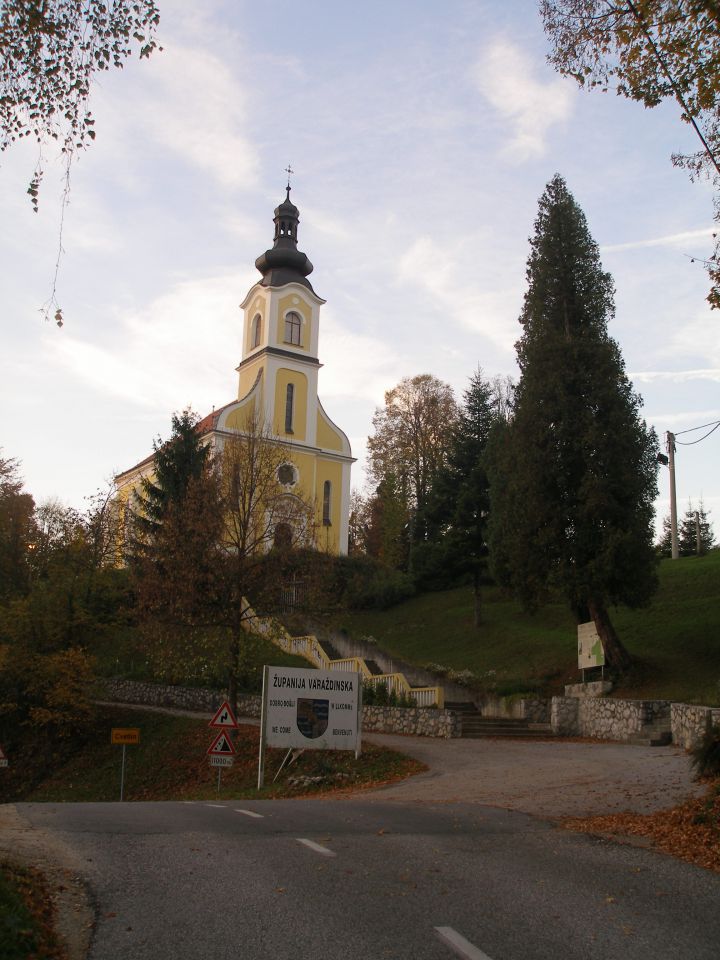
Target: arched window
[327, 493]
[256, 331]
[293, 323]
[289, 399]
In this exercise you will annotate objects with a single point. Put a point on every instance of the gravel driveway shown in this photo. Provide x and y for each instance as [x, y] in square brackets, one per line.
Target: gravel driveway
[546, 778]
[543, 777]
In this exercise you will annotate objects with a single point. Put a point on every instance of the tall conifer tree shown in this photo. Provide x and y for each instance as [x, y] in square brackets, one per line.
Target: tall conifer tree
[457, 513]
[574, 472]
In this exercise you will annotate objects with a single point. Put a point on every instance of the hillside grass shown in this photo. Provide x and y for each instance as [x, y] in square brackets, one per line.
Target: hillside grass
[195, 661]
[674, 642]
[170, 763]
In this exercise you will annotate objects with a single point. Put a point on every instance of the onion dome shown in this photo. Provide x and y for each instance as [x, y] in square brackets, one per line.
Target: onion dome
[284, 263]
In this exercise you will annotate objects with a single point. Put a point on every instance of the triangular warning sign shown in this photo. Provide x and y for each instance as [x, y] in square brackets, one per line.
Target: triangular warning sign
[222, 746]
[224, 718]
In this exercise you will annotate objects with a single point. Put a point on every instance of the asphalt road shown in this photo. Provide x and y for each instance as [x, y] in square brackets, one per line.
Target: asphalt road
[363, 878]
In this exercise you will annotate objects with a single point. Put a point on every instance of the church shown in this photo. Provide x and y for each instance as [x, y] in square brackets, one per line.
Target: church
[278, 387]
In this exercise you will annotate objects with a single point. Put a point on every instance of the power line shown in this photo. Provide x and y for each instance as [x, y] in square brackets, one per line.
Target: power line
[689, 443]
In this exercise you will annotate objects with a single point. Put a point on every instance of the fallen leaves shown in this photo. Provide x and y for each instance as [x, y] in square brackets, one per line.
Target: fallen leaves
[690, 831]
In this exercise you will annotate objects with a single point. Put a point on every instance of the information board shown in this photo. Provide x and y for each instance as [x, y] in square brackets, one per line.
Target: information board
[311, 709]
[590, 648]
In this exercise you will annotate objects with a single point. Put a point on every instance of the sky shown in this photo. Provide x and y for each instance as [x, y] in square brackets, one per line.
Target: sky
[422, 135]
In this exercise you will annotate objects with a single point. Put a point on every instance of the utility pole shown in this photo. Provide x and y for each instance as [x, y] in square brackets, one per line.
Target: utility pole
[673, 495]
[697, 533]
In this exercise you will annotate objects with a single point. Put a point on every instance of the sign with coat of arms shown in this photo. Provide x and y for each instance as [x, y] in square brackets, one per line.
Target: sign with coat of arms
[311, 709]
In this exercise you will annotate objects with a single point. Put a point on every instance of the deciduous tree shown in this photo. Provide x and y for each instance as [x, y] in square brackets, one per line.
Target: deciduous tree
[17, 530]
[50, 53]
[411, 441]
[573, 476]
[263, 506]
[649, 50]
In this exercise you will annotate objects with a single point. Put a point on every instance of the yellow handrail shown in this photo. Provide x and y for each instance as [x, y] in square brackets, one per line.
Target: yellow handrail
[310, 648]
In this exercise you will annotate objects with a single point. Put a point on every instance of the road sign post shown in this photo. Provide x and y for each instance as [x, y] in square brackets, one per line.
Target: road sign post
[222, 750]
[122, 736]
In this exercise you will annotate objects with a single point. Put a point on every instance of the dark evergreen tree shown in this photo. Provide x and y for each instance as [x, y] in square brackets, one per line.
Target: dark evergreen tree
[687, 533]
[457, 513]
[573, 476]
[178, 462]
[177, 522]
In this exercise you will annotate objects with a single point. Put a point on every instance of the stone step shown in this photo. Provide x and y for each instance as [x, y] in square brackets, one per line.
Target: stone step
[330, 650]
[519, 733]
[374, 668]
[656, 734]
[461, 706]
[475, 725]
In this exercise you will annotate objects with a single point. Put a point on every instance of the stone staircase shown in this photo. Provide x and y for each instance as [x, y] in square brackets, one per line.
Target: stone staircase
[323, 655]
[475, 725]
[655, 734]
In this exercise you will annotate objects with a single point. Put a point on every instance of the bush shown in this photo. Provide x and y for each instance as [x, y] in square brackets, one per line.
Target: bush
[50, 692]
[378, 588]
[331, 583]
[377, 694]
[706, 755]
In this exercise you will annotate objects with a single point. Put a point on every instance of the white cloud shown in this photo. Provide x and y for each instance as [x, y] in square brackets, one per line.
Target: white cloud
[437, 270]
[190, 102]
[355, 366]
[177, 351]
[671, 240]
[506, 77]
[682, 419]
[675, 376]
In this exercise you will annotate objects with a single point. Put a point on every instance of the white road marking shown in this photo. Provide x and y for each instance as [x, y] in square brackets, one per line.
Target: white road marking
[218, 806]
[250, 813]
[316, 847]
[459, 945]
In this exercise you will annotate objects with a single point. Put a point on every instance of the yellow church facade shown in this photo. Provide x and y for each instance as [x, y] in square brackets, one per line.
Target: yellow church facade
[278, 390]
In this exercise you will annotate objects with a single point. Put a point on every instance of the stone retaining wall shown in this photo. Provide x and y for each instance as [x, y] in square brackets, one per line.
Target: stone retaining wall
[200, 699]
[688, 723]
[415, 720]
[603, 717]
[535, 710]
[564, 716]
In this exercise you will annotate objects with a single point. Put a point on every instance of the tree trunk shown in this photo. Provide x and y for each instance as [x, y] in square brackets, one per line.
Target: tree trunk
[232, 671]
[616, 656]
[477, 591]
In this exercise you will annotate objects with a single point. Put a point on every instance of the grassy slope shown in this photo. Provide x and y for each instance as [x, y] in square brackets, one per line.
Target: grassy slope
[170, 763]
[675, 641]
[200, 666]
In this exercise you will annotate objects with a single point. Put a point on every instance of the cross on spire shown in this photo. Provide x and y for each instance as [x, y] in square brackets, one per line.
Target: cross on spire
[289, 171]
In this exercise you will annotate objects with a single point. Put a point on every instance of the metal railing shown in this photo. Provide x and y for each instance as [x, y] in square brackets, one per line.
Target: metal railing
[310, 648]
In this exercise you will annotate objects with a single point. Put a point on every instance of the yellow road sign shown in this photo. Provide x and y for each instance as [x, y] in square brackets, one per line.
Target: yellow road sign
[125, 735]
